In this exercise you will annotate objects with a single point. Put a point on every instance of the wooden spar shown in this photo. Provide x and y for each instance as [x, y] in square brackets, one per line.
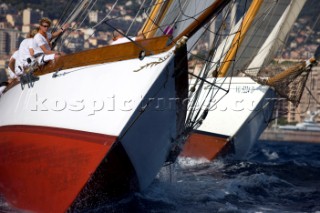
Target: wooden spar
[248, 19]
[204, 18]
[298, 69]
[157, 14]
[146, 29]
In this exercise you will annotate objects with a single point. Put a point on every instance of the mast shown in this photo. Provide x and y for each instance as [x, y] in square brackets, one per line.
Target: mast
[157, 14]
[248, 19]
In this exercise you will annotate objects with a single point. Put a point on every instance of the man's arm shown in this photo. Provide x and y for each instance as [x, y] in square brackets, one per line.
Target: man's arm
[31, 51]
[61, 30]
[46, 51]
[57, 33]
[12, 63]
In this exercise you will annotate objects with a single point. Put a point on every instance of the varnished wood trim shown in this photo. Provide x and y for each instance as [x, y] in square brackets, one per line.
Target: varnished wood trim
[106, 54]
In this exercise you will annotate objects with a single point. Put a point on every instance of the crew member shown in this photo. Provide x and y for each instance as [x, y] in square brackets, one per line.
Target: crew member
[41, 42]
[25, 53]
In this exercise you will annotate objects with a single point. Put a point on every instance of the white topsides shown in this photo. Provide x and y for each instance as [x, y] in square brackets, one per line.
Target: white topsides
[97, 98]
[229, 114]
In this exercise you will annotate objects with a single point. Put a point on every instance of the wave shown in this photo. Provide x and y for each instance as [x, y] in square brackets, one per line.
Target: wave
[275, 177]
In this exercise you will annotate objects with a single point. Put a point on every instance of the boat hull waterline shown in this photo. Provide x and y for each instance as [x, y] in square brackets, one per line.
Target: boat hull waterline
[235, 123]
[116, 118]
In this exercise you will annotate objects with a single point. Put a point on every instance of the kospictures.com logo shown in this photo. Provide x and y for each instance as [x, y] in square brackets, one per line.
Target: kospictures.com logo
[91, 107]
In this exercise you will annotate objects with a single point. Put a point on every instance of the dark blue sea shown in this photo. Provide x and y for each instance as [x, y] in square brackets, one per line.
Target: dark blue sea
[276, 177]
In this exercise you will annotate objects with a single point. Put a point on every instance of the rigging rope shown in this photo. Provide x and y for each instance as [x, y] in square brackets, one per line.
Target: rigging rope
[135, 18]
[65, 10]
[107, 16]
[196, 115]
[195, 118]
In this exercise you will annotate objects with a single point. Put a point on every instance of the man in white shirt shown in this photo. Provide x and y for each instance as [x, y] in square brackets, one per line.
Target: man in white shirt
[11, 65]
[41, 41]
[25, 53]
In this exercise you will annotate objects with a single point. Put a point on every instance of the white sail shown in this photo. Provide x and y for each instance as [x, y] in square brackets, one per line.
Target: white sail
[253, 39]
[265, 21]
[277, 36]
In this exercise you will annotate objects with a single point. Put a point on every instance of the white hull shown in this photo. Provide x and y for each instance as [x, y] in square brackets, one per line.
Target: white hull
[98, 98]
[240, 116]
[113, 100]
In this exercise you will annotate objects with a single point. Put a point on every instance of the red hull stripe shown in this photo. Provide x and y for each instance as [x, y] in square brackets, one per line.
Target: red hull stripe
[43, 169]
[201, 145]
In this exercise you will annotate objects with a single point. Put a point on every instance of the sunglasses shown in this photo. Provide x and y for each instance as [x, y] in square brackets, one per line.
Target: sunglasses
[46, 26]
